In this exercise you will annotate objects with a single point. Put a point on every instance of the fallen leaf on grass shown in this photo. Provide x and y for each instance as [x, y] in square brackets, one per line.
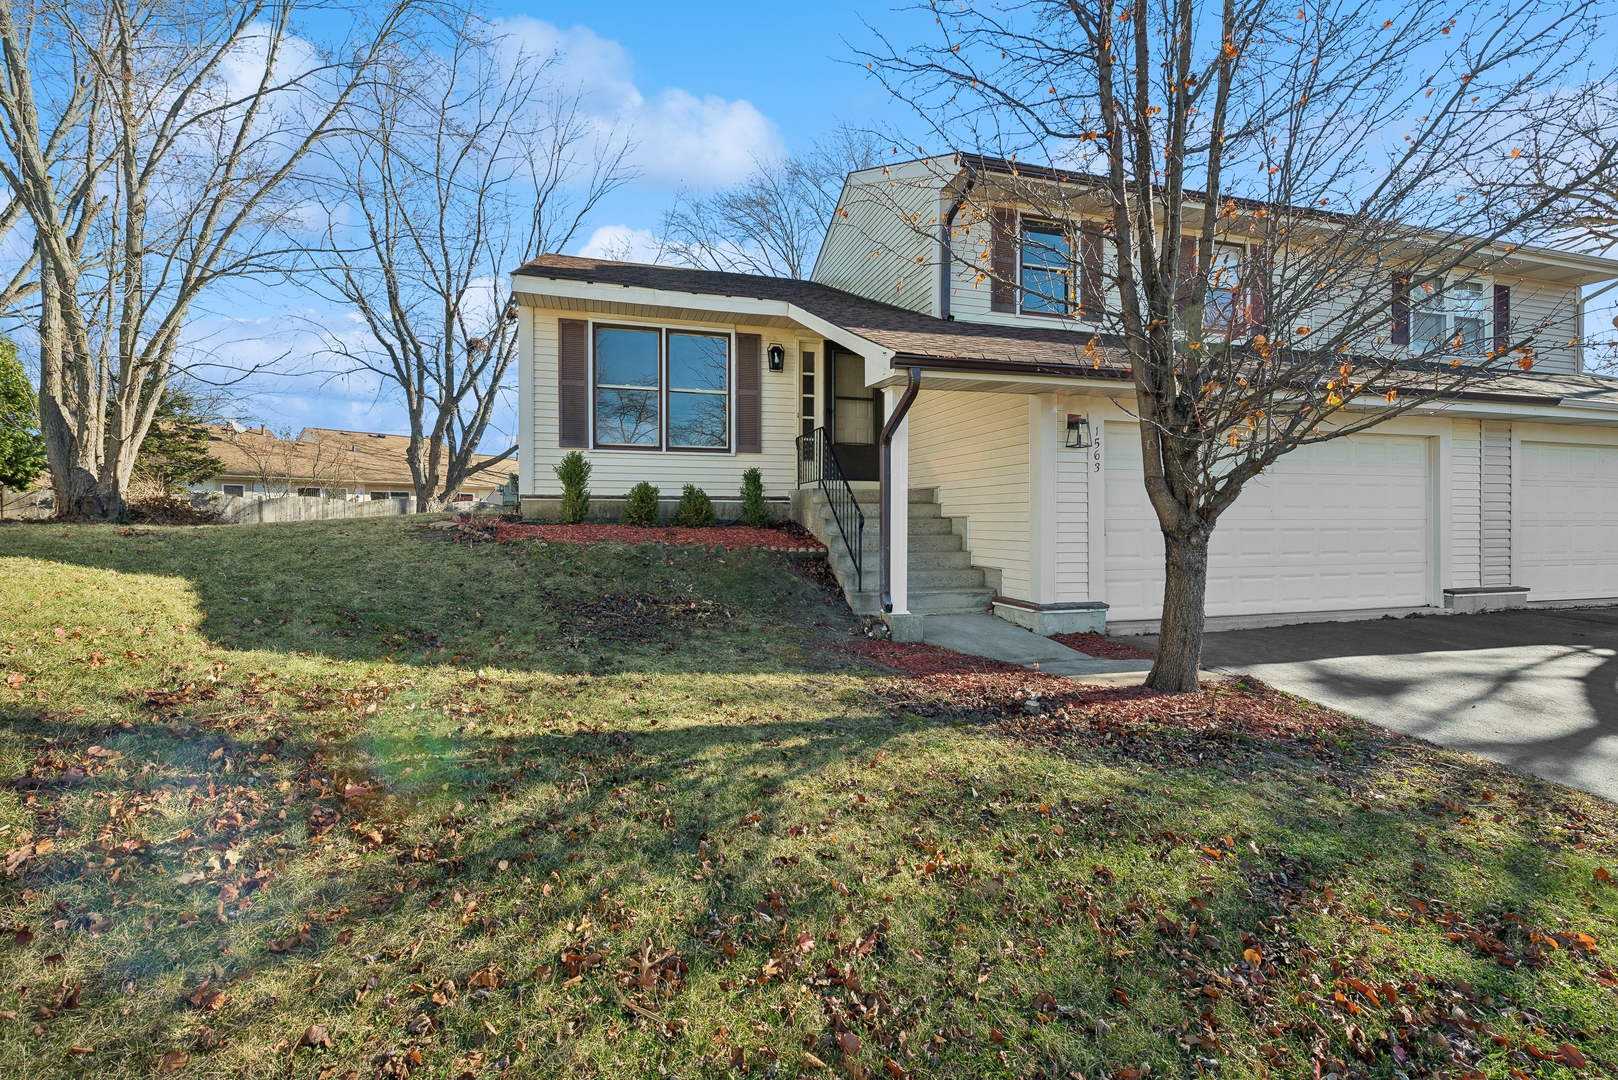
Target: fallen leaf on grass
[76, 1051]
[23, 937]
[848, 1043]
[812, 1062]
[1603, 875]
[314, 1035]
[168, 1063]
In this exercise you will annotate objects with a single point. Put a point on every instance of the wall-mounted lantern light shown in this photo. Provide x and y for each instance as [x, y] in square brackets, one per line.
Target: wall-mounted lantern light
[1078, 433]
[778, 358]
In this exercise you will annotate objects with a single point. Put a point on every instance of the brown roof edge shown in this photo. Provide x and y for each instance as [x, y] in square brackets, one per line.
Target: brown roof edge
[1017, 367]
[1073, 371]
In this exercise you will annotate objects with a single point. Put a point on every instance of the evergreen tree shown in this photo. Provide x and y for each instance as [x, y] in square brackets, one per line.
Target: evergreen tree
[22, 448]
[175, 451]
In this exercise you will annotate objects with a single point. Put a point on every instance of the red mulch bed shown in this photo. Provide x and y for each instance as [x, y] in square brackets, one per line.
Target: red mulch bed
[729, 537]
[1054, 710]
[1103, 648]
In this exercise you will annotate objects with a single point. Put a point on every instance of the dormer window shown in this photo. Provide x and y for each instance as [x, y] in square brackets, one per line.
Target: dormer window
[1046, 271]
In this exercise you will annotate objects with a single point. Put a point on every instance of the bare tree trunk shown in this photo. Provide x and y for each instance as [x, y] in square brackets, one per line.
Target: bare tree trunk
[74, 459]
[1185, 589]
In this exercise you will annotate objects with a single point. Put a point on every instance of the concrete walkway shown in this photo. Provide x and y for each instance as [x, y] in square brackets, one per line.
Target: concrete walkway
[987, 635]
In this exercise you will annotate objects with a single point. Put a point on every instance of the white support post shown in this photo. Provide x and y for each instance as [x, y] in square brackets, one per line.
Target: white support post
[1045, 434]
[899, 505]
[525, 401]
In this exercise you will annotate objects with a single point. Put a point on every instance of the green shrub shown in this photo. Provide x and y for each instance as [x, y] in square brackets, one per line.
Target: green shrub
[640, 509]
[695, 510]
[754, 510]
[574, 473]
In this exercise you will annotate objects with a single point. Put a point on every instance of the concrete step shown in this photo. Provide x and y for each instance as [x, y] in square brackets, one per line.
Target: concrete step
[950, 601]
[919, 560]
[927, 580]
[924, 541]
[933, 526]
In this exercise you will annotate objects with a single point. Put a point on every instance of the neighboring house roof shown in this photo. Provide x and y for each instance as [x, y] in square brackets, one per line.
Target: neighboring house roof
[908, 334]
[324, 455]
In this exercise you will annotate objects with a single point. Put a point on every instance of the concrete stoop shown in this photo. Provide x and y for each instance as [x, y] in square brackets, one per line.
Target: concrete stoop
[942, 578]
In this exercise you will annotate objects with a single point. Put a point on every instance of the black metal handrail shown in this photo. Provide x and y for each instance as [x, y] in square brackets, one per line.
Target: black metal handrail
[818, 464]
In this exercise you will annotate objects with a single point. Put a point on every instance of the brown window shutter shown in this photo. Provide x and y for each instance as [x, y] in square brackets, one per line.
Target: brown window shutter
[749, 396]
[1092, 286]
[573, 383]
[1002, 259]
[1186, 284]
[1258, 289]
[1502, 318]
[1401, 309]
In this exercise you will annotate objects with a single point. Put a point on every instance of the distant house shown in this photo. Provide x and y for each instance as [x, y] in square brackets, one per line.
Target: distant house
[325, 462]
[1015, 484]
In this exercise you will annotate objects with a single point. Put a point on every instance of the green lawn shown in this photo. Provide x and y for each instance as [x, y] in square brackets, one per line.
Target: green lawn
[343, 799]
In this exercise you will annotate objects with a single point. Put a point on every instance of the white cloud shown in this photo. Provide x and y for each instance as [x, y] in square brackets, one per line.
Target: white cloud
[680, 139]
[622, 243]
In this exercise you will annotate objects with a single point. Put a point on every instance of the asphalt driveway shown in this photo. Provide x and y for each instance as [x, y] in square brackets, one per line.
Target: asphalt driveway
[1537, 689]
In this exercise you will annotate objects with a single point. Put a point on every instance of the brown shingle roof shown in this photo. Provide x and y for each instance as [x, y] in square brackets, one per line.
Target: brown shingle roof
[326, 456]
[910, 334]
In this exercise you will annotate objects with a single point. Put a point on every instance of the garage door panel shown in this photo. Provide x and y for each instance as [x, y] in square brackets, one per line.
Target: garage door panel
[1565, 515]
[1342, 525]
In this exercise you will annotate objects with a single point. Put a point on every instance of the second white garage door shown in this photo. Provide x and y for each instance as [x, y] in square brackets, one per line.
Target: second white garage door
[1565, 521]
[1340, 526]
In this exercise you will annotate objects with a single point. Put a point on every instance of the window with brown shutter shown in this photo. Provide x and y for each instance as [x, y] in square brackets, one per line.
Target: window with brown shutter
[1502, 318]
[573, 383]
[1092, 285]
[749, 396]
[1002, 259]
[1258, 285]
[1401, 309]
[1185, 286]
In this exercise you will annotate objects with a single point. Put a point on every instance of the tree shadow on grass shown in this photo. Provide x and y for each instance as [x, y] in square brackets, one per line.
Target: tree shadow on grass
[392, 590]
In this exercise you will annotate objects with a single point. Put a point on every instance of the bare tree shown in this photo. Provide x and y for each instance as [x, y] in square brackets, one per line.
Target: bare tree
[471, 161]
[1271, 197]
[149, 142]
[283, 464]
[773, 222]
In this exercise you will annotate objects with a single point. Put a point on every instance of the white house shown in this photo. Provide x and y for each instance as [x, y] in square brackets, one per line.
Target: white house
[1502, 494]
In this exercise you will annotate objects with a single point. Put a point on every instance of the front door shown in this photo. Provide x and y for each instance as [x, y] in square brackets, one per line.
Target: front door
[854, 415]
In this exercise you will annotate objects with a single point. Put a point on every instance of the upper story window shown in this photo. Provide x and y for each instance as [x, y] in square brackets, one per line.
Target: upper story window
[1450, 317]
[1224, 308]
[661, 389]
[1047, 270]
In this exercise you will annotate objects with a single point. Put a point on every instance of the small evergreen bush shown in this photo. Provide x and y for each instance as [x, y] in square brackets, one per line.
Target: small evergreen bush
[695, 510]
[754, 510]
[574, 473]
[640, 509]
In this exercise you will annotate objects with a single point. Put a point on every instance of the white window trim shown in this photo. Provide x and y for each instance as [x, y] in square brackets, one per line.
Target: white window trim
[1486, 283]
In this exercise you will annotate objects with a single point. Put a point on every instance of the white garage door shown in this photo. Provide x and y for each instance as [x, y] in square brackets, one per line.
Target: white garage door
[1565, 521]
[1335, 527]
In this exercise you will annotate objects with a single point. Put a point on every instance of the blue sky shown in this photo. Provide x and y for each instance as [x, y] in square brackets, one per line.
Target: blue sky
[704, 90]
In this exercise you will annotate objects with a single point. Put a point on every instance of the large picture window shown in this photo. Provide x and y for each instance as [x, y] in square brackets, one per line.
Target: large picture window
[1047, 270]
[658, 389]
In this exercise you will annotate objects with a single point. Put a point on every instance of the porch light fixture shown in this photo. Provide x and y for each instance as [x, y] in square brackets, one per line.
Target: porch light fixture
[1078, 433]
[778, 358]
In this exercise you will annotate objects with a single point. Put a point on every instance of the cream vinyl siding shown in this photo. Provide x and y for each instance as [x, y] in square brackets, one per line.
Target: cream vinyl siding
[974, 449]
[717, 473]
[1496, 504]
[1072, 525]
[1551, 313]
[884, 224]
[1466, 502]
